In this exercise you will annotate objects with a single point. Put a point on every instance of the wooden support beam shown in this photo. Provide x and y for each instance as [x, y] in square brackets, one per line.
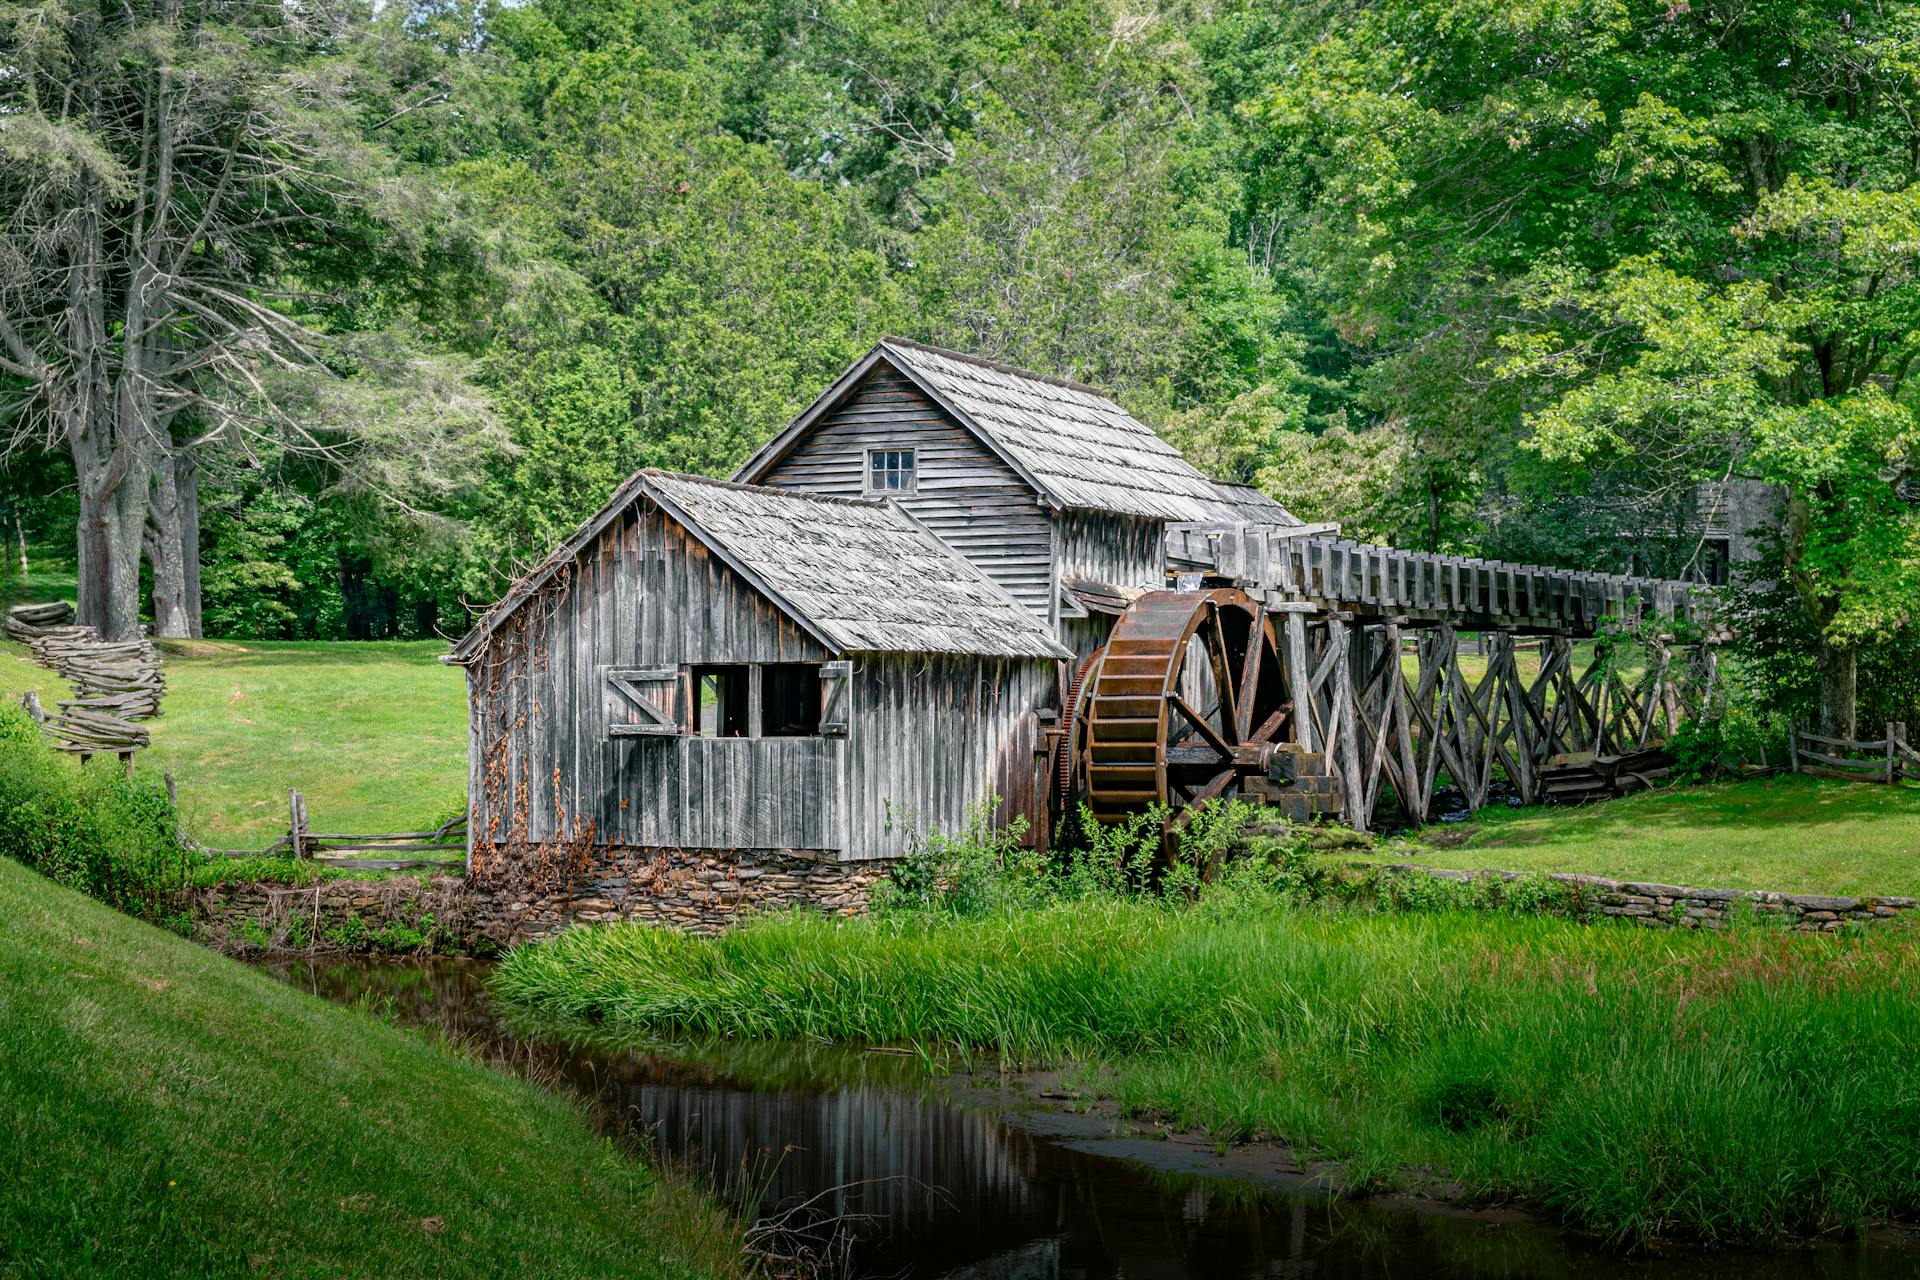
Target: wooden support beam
[1299, 681]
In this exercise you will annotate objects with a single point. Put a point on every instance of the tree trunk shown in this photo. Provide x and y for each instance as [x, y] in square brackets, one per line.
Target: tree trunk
[1838, 690]
[20, 536]
[113, 520]
[163, 553]
[113, 470]
[173, 545]
[1838, 686]
[187, 469]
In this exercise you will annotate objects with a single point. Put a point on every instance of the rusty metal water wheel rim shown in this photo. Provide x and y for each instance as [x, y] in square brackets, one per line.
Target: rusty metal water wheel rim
[1183, 704]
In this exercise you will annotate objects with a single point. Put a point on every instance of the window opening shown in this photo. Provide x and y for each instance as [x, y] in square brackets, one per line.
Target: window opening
[719, 702]
[1717, 558]
[790, 700]
[889, 470]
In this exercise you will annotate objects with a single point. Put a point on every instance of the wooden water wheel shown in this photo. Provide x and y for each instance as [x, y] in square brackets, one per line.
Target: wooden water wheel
[1184, 702]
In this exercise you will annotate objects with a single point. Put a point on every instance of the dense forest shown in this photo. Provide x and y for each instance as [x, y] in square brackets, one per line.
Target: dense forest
[318, 319]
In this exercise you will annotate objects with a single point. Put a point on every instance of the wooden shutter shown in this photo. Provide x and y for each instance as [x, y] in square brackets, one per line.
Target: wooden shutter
[834, 697]
[654, 692]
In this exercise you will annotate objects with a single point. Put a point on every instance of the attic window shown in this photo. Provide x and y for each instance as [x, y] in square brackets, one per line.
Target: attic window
[890, 471]
[719, 702]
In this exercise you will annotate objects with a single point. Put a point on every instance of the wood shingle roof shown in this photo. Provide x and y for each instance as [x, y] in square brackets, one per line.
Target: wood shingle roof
[1085, 451]
[861, 574]
[1070, 442]
[1244, 502]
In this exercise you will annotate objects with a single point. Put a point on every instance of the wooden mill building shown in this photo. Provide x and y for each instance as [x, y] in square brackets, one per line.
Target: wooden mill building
[717, 695]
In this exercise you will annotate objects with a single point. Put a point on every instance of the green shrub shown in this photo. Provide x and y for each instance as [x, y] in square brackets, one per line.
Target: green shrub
[981, 869]
[90, 827]
[970, 872]
[1718, 745]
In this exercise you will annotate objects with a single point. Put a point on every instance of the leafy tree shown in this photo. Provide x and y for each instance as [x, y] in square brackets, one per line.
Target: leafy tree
[185, 184]
[1349, 476]
[673, 296]
[1681, 236]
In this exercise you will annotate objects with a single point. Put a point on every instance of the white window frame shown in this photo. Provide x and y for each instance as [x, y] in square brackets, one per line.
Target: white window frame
[912, 471]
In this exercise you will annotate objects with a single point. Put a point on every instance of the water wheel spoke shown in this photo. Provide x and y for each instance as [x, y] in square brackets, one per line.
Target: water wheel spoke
[1251, 665]
[1270, 725]
[1199, 722]
[1219, 783]
[1216, 642]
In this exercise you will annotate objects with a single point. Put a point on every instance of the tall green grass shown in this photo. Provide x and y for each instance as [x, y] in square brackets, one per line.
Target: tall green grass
[1741, 1087]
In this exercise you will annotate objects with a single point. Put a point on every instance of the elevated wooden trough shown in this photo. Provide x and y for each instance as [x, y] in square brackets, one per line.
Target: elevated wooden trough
[1368, 688]
[1303, 565]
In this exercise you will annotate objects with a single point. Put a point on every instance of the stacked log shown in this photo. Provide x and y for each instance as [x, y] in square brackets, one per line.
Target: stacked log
[116, 682]
[80, 729]
[1583, 776]
[25, 621]
[119, 678]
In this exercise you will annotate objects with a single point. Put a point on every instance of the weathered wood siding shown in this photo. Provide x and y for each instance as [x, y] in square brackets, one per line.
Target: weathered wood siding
[645, 594]
[928, 736]
[1125, 551]
[932, 736]
[964, 493]
[1122, 551]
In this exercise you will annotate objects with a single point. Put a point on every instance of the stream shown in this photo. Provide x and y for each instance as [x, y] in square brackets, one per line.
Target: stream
[959, 1179]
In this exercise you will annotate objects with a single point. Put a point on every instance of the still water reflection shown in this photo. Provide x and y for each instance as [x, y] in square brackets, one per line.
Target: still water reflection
[945, 1180]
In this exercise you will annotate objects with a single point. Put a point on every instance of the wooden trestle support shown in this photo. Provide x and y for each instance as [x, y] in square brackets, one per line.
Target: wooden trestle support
[1290, 661]
[1404, 728]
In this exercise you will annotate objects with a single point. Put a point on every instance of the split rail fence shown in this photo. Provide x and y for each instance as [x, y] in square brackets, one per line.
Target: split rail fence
[395, 850]
[1886, 759]
[116, 683]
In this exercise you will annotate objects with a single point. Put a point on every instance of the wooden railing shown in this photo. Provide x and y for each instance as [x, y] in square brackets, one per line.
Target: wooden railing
[1339, 575]
[396, 850]
[1885, 759]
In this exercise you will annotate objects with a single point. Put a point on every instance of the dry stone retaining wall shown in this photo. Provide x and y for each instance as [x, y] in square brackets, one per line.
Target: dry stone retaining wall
[1677, 906]
[704, 892]
[400, 914]
[515, 895]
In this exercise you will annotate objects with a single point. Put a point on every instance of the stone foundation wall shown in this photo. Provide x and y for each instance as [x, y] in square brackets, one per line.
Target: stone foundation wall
[516, 897]
[398, 915]
[517, 894]
[1679, 907]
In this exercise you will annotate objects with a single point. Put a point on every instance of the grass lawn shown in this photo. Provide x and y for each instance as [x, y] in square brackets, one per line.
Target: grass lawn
[169, 1112]
[1790, 833]
[48, 578]
[373, 732]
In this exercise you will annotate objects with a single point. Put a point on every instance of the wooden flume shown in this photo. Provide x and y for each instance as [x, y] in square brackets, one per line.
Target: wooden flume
[1349, 658]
